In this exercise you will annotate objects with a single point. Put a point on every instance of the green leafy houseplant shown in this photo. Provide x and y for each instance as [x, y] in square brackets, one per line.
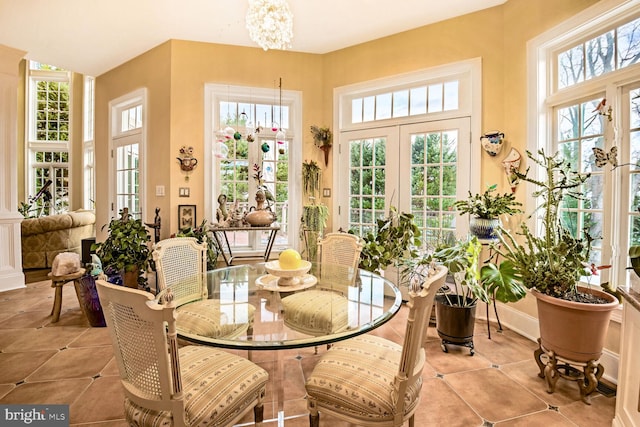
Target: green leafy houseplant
[311, 178]
[554, 262]
[471, 282]
[395, 238]
[488, 205]
[201, 234]
[126, 248]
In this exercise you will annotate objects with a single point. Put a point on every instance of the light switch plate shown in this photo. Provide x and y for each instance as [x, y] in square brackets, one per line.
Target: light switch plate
[184, 192]
[159, 190]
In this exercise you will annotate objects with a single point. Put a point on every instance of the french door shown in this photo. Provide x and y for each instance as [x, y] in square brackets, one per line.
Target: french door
[420, 168]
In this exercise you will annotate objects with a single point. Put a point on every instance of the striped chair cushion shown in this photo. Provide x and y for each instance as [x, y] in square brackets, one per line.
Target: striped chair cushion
[214, 382]
[367, 366]
[316, 312]
[205, 318]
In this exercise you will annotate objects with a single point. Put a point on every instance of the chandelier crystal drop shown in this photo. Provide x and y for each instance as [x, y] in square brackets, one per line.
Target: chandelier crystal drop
[270, 23]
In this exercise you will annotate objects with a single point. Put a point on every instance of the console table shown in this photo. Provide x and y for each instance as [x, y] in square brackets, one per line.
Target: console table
[222, 241]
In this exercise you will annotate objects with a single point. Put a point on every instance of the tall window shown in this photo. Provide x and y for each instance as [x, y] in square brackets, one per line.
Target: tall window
[243, 125]
[48, 139]
[587, 110]
[127, 148]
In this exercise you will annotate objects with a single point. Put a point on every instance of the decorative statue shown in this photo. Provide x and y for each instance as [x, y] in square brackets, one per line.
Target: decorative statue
[222, 216]
[237, 216]
[155, 225]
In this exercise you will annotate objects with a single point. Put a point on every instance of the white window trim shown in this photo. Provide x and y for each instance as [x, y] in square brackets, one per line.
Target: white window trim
[31, 145]
[88, 145]
[540, 85]
[116, 106]
[469, 74]
[213, 94]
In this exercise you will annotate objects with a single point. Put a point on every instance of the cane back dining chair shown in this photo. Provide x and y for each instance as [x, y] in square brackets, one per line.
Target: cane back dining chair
[164, 385]
[371, 381]
[181, 264]
[321, 311]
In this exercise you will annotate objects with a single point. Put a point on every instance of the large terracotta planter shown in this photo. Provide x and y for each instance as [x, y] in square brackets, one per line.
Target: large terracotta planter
[572, 330]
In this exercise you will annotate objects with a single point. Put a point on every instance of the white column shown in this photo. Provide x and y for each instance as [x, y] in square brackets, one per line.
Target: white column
[11, 276]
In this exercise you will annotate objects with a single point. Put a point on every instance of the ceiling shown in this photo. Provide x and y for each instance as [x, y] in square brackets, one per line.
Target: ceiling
[92, 37]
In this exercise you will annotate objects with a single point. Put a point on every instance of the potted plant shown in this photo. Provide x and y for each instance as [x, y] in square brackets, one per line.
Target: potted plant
[456, 305]
[485, 210]
[201, 234]
[395, 238]
[126, 250]
[314, 215]
[385, 249]
[322, 138]
[573, 319]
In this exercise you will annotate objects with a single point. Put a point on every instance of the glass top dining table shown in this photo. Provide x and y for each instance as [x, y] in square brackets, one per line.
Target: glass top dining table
[328, 304]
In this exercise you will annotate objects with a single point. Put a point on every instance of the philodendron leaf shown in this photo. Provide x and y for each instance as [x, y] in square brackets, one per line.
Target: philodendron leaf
[503, 281]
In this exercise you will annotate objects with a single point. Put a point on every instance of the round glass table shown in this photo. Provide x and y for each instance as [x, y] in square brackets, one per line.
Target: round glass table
[328, 304]
[257, 311]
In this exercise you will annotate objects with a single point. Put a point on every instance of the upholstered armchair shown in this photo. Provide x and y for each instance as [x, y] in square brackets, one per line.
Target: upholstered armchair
[167, 385]
[181, 265]
[371, 381]
[322, 311]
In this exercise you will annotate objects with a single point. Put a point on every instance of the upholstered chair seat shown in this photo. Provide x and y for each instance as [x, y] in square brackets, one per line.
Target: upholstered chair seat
[372, 364]
[371, 381]
[205, 318]
[322, 311]
[169, 386]
[316, 312]
[181, 264]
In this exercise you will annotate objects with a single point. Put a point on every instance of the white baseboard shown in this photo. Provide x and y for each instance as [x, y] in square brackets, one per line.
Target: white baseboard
[527, 326]
[11, 280]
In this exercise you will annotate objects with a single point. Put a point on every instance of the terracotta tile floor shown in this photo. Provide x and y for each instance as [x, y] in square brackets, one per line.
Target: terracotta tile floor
[71, 363]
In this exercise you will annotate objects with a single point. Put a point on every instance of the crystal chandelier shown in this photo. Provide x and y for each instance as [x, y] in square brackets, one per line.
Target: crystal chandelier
[270, 23]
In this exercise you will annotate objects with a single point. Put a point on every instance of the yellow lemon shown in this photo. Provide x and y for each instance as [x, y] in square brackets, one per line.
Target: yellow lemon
[290, 259]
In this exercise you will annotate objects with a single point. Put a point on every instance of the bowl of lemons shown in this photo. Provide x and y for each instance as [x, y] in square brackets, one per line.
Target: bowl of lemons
[289, 267]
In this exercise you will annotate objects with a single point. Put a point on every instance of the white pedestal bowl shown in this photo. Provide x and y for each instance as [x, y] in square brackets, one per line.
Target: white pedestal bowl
[287, 277]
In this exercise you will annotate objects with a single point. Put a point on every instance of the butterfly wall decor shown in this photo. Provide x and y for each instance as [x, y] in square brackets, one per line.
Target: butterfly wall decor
[603, 157]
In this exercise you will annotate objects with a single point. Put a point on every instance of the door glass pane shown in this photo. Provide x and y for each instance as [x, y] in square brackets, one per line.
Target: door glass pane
[127, 179]
[434, 183]
[367, 184]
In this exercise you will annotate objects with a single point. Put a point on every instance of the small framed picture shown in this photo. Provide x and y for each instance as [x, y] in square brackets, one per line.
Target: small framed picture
[186, 216]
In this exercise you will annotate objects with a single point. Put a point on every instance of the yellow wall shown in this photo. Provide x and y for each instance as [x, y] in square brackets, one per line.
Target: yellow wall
[152, 71]
[175, 74]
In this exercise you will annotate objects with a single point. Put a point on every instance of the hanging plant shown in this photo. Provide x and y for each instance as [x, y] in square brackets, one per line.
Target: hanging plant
[314, 220]
[314, 217]
[322, 137]
[310, 178]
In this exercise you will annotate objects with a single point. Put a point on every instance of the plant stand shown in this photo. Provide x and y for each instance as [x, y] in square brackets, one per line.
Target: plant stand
[557, 367]
[469, 344]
